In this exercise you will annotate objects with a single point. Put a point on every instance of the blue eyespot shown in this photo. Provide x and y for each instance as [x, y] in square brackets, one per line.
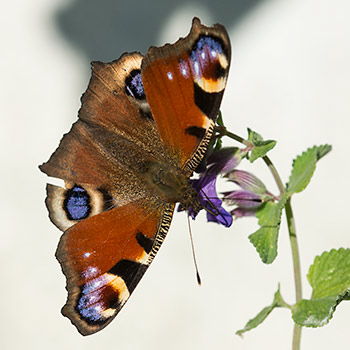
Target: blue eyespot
[77, 203]
[206, 50]
[134, 85]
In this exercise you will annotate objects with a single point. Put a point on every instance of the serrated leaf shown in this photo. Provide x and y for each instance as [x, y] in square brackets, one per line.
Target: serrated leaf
[330, 273]
[262, 315]
[329, 277]
[261, 146]
[265, 238]
[304, 167]
[261, 149]
[254, 136]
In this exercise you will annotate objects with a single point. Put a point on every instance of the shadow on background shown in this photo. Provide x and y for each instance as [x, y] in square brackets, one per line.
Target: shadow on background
[104, 29]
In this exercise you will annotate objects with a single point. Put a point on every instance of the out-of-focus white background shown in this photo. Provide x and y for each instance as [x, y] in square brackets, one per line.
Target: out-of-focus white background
[289, 80]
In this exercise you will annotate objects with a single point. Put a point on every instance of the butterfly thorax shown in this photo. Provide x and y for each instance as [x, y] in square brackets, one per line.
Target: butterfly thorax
[171, 184]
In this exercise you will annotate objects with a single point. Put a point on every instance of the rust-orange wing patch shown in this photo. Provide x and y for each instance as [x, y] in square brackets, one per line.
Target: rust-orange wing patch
[184, 84]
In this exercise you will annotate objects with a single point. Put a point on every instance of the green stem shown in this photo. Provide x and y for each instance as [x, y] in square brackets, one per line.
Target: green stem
[224, 132]
[291, 229]
[296, 264]
[275, 174]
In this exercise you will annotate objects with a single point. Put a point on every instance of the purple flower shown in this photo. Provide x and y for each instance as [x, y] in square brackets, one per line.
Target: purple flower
[247, 201]
[215, 162]
[251, 198]
[224, 160]
[206, 189]
[208, 198]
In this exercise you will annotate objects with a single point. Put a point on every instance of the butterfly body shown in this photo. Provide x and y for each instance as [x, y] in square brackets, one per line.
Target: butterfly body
[144, 126]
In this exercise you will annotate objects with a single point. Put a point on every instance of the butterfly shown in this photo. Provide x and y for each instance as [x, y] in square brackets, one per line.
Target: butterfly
[144, 126]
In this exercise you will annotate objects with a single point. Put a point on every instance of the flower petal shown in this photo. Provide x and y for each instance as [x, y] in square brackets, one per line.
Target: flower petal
[224, 160]
[247, 180]
[208, 197]
[243, 199]
[222, 217]
[242, 212]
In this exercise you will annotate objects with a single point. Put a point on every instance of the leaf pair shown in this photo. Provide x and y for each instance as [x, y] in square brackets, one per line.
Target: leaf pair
[329, 276]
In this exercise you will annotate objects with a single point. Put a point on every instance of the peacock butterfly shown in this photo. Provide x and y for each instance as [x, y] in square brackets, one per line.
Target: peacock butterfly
[144, 126]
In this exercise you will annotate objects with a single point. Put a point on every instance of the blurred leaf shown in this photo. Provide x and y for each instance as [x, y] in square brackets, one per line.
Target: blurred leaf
[220, 119]
[323, 150]
[329, 277]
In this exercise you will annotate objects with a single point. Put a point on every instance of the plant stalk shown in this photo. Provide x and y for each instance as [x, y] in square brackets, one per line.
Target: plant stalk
[297, 271]
[292, 233]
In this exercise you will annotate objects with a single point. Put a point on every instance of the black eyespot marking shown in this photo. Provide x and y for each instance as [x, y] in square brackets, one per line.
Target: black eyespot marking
[146, 114]
[108, 200]
[196, 131]
[134, 85]
[207, 102]
[218, 72]
[77, 203]
[130, 271]
[145, 242]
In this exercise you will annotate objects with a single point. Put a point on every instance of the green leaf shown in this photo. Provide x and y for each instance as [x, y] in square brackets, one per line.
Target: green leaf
[261, 146]
[220, 119]
[323, 150]
[265, 238]
[262, 315]
[304, 167]
[254, 137]
[329, 277]
[216, 143]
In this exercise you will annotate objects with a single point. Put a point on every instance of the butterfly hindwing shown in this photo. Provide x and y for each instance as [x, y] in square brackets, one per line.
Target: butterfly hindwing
[105, 256]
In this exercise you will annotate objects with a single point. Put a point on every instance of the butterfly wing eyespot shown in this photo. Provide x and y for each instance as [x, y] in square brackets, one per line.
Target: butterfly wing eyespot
[74, 203]
[138, 113]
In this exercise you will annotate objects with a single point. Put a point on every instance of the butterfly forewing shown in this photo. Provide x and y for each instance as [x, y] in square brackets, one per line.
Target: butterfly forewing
[184, 84]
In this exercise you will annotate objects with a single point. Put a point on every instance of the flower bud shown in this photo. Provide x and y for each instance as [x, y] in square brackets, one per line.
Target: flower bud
[243, 199]
[247, 181]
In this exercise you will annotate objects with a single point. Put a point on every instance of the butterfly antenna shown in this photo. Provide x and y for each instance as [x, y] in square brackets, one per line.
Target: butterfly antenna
[193, 252]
